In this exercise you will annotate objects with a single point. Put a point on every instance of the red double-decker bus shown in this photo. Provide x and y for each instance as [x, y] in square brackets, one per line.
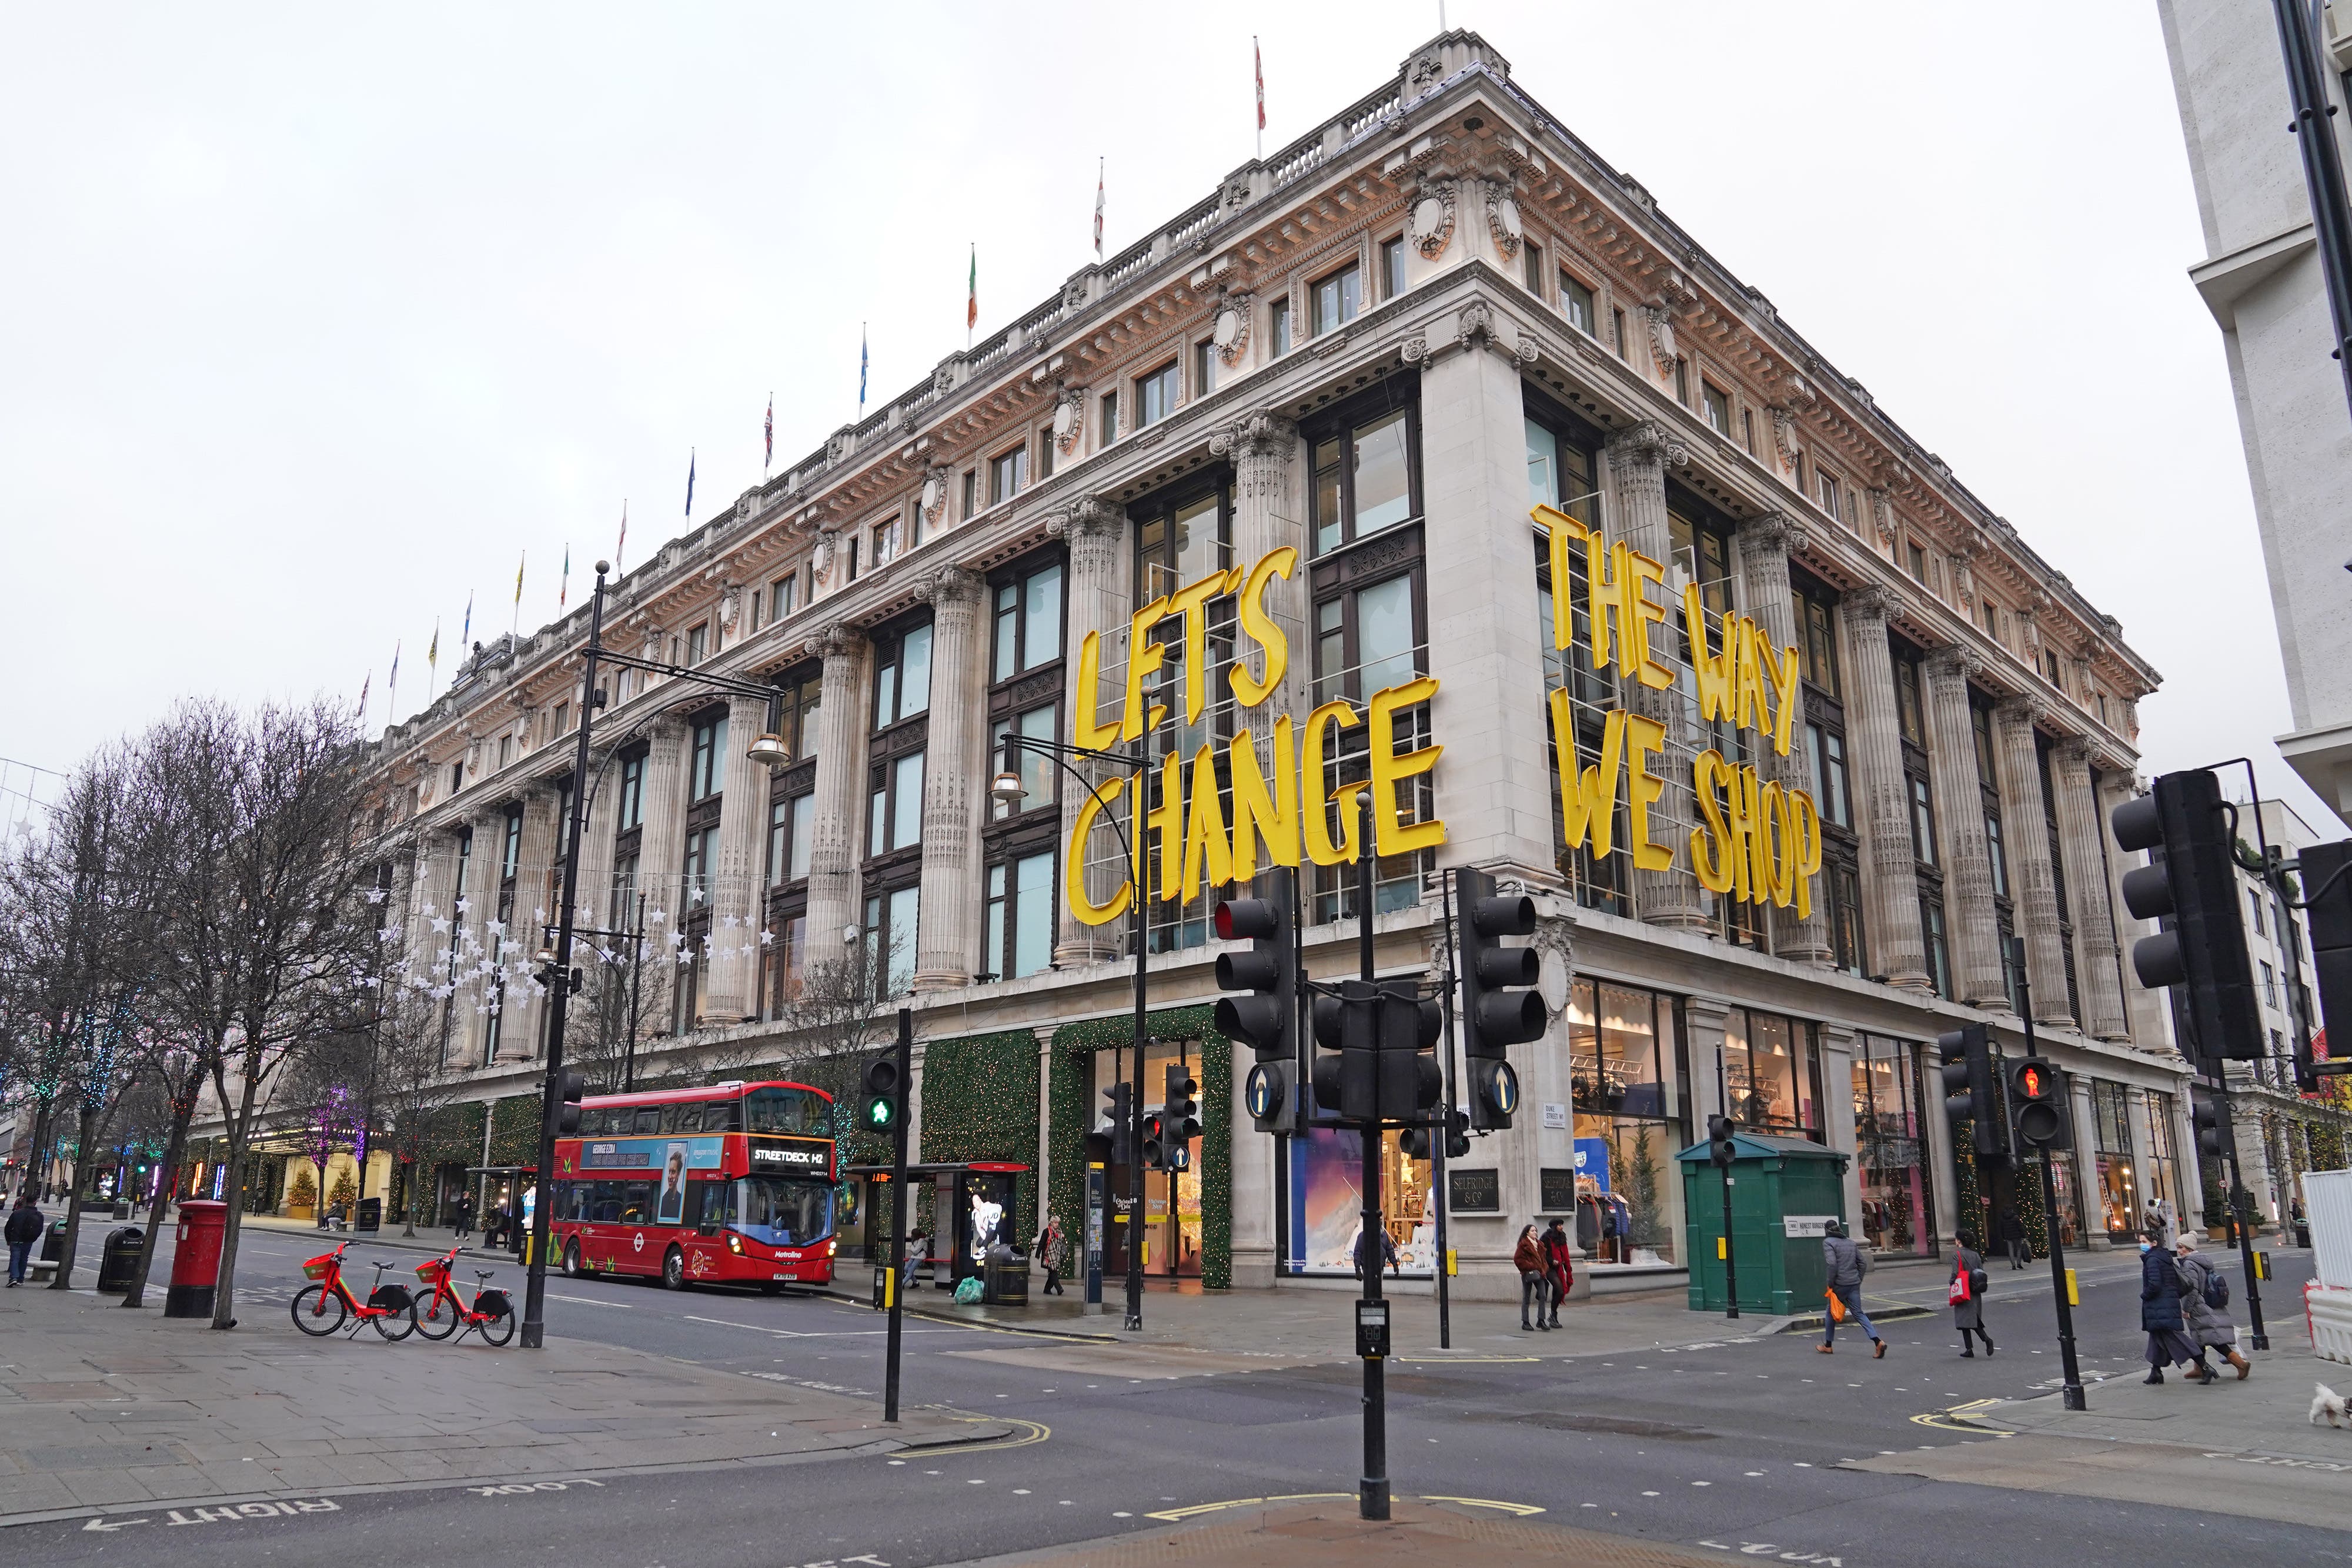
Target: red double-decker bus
[732, 1184]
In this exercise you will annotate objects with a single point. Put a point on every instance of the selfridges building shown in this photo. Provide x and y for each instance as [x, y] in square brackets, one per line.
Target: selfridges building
[1425, 459]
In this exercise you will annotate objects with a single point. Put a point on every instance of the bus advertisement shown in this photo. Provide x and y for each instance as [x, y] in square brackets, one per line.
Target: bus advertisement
[732, 1185]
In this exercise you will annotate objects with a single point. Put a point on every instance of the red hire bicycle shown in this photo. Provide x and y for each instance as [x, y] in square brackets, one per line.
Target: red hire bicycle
[321, 1308]
[440, 1314]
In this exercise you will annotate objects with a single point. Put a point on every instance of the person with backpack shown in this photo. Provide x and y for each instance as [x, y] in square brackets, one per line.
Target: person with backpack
[2161, 1314]
[1966, 1292]
[1529, 1259]
[2205, 1306]
[1845, 1264]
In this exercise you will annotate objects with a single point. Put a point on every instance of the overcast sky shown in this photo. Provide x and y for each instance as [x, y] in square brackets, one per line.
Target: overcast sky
[317, 320]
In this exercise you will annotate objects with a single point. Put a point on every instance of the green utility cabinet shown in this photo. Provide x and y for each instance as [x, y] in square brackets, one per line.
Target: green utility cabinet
[1784, 1193]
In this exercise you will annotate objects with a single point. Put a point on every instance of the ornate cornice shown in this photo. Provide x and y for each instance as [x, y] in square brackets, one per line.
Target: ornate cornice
[1952, 662]
[1871, 604]
[951, 587]
[1775, 533]
[1647, 443]
[1259, 433]
[2019, 709]
[837, 640]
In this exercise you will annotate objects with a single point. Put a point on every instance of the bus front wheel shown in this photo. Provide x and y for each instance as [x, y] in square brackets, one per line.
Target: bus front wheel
[673, 1274]
[571, 1270]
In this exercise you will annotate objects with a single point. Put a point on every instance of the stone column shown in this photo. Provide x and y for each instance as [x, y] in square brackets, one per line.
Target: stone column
[1704, 1019]
[2096, 975]
[2031, 885]
[1638, 457]
[1970, 918]
[948, 931]
[661, 844]
[1764, 580]
[593, 902]
[839, 832]
[523, 1032]
[473, 937]
[728, 995]
[433, 899]
[1101, 593]
[1837, 1045]
[1264, 446]
[1890, 874]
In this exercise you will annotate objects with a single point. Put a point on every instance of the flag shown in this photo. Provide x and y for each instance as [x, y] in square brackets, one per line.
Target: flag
[466, 636]
[519, 565]
[768, 455]
[1098, 209]
[391, 686]
[861, 369]
[432, 649]
[363, 695]
[622, 547]
[563, 594]
[1257, 64]
[690, 484]
[971, 298]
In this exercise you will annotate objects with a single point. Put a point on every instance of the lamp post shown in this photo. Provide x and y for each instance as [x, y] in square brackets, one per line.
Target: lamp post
[767, 748]
[1006, 788]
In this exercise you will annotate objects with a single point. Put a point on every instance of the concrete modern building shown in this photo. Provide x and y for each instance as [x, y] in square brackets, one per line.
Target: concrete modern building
[2261, 277]
[1384, 349]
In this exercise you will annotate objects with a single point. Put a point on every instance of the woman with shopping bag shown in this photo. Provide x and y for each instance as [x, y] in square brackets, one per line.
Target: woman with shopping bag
[1966, 1292]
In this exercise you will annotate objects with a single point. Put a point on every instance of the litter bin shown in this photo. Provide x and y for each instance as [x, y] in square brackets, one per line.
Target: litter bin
[1006, 1283]
[195, 1258]
[2302, 1232]
[53, 1247]
[120, 1260]
[371, 1215]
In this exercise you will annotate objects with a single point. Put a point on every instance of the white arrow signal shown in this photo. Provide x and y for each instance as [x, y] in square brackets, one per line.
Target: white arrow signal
[102, 1524]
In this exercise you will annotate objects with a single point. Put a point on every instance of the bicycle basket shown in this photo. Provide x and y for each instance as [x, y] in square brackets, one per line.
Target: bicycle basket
[316, 1268]
[430, 1270]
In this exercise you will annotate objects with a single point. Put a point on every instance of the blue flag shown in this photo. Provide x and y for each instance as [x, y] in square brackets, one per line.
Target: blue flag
[861, 369]
[690, 484]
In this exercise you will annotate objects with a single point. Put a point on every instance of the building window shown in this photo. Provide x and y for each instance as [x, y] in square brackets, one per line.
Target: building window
[1204, 368]
[1008, 474]
[1028, 622]
[562, 724]
[698, 643]
[1830, 495]
[1747, 430]
[1156, 396]
[1337, 300]
[1392, 267]
[1364, 480]
[706, 774]
[1847, 944]
[792, 830]
[1717, 404]
[1020, 915]
[1369, 636]
[1890, 1147]
[1817, 642]
[1914, 560]
[1682, 381]
[1923, 822]
[1626, 1071]
[1980, 722]
[887, 537]
[894, 807]
[1771, 1080]
[1907, 717]
[631, 811]
[902, 676]
[701, 865]
[784, 597]
[1039, 776]
[1938, 952]
[1576, 303]
[506, 750]
[1110, 417]
[891, 920]
[972, 484]
[1617, 321]
[852, 542]
[2270, 984]
[1277, 328]
[1828, 749]
[1997, 854]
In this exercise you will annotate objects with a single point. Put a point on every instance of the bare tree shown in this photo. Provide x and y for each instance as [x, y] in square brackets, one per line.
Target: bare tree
[623, 1007]
[843, 1014]
[411, 1090]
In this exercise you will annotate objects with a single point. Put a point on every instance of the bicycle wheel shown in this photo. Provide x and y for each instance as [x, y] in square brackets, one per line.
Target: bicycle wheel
[438, 1318]
[496, 1331]
[395, 1324]
[322, 1317]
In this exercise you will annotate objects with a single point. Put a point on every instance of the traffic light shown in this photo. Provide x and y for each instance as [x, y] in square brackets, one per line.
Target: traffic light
[1495, 1015]
[2327, 873]
[2193, 880]
[1155, 1142]
[1347, 1028]
[1118, 1122]
[886, 1096]
[568, 1094]
[2209, 1111]
[1969, 1088]
[2037, 1098]
[1182, 1117]
[1265, 1015]
[1415, 1141]
[1720, 1150]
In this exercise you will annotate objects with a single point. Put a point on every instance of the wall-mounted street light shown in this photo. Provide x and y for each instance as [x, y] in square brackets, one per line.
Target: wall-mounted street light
[1006, 789]
[768, 749]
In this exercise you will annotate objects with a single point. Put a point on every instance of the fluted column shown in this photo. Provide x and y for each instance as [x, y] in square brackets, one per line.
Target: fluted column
[1890, 873]
[1764, 581]
[2096, 975]
[593, 902]
[834, 840]
[947, 931]
[522, 1032]
[473, 933]
[432, 907]
[661, 845]
[1969, 916]
[2031, 885]
[1638, 459]
[1100, 596]
[726, 995]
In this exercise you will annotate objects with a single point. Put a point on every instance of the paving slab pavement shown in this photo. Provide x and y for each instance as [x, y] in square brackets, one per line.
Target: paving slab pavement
[100, 1407]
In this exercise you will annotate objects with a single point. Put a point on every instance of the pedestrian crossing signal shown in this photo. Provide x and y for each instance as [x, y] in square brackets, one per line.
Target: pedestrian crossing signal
[885, 1094]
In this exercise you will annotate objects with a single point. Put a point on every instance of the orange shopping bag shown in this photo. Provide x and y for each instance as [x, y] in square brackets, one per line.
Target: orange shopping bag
[1837, 1307]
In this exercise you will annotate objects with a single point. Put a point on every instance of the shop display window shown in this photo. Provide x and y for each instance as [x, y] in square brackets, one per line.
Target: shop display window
[1625, 1084]
[1890, 1147]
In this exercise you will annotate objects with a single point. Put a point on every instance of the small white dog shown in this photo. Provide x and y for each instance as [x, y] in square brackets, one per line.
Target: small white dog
[2327, 1402]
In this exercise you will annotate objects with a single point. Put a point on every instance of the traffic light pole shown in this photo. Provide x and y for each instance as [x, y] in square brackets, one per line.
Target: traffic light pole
[1372, 1491]
[1444, 1134]
[894, 1288]
[1730, 1267]
[2241, 1202]
[2072, 1391]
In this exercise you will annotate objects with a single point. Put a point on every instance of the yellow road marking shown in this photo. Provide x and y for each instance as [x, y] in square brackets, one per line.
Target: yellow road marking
[1037, 1433]
[1519, 1509]
[1171, 1514]
[1450, 1360]
[1956, 1419]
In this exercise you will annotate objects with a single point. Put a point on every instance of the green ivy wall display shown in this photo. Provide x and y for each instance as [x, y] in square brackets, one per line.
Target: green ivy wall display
[979, 1103]
[1067, 1110]
[515, 1122]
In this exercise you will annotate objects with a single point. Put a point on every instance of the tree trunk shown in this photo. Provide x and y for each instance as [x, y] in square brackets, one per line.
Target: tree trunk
[240, 1132]
[88, 1134]
[174, 1147]
[408, 1199]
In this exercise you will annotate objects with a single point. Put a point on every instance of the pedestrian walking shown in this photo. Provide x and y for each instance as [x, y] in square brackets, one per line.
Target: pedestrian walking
[1845, 1264]
[2202, 1317]
[1529, 1259]
[1559, 1267]
[23, 1228]
[2159, 1314]
[461, 1216]
[2009, 1232]
[1384, 1249]
[1967, 1292]
[1048, 1250]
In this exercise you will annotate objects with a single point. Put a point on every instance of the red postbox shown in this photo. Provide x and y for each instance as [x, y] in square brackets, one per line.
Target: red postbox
[195, 1258]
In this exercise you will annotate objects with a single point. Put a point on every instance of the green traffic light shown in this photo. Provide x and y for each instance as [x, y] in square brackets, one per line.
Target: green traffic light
[880, 1113]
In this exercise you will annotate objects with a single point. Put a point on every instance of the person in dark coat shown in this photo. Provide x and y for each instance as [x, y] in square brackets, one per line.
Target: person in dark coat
[1969, 1316]
[2009, 1232]
[23, 1228]
[1529, 1259]
[1844, 1264]
[1560, 1267]
[2207, 1325]
[2159, 1314]
[461, 1216]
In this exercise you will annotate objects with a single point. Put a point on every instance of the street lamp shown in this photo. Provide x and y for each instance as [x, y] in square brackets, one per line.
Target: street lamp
[767, 748]
[1006, 788]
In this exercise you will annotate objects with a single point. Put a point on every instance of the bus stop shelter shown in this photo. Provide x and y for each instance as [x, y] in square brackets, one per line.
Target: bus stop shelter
[507, 1205]
[975, 1208]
